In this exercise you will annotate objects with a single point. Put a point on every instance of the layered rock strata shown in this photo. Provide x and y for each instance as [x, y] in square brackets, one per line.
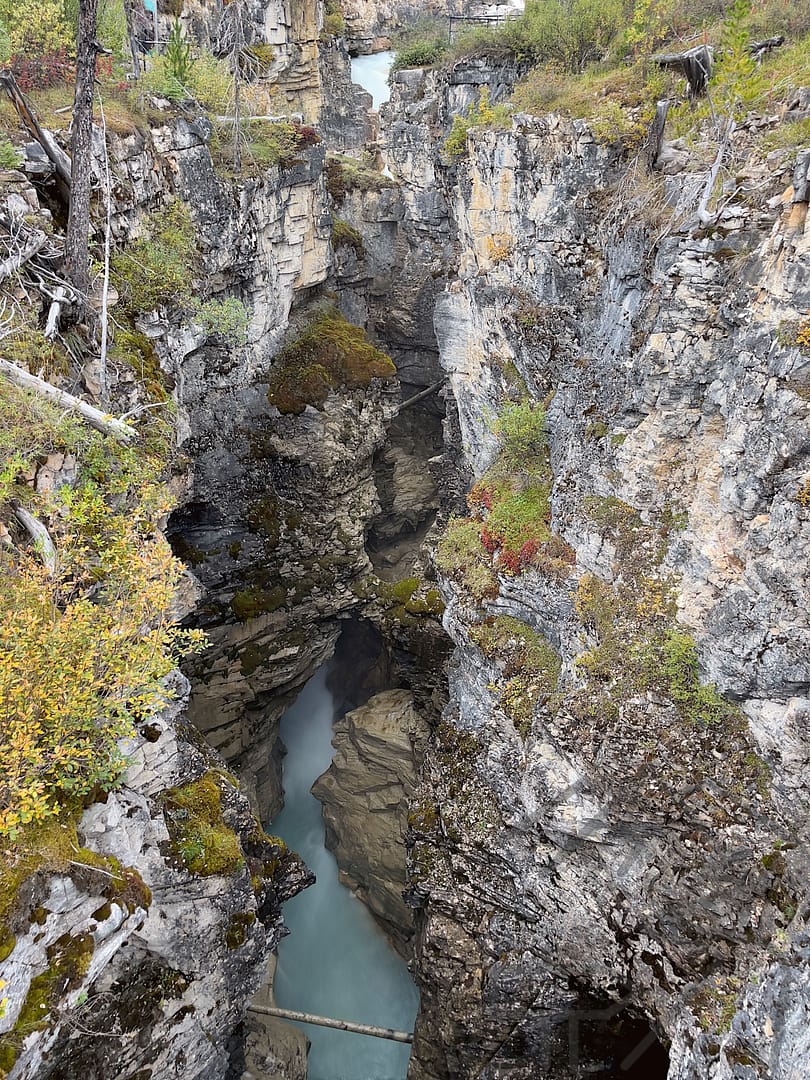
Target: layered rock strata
[107, 976]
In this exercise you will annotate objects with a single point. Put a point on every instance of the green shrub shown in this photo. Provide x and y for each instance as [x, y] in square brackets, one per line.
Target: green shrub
[566, 33]
[156, 269]
[228, 318]
[329, 353]
[346, 174]
[9, 157]
[334, 23]
[521, 431]
[461, 556]
[480, 114]
[210, 82]
[419, 54]
[5, 45]
[179, 60]
[111, 29]
[36, 27]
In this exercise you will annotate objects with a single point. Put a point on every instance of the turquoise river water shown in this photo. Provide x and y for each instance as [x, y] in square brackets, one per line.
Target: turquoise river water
[371, 72]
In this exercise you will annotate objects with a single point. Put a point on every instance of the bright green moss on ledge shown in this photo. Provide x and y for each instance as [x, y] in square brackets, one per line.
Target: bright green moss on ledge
[251, 603]
[329, 353]
[200, 839]
[345, 235]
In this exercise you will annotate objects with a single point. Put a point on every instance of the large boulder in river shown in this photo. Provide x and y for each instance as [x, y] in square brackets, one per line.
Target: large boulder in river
[365, 793]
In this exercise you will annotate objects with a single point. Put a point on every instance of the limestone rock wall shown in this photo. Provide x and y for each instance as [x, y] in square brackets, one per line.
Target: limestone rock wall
[613, 860]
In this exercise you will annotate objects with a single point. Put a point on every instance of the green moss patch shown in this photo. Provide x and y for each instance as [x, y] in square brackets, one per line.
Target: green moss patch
[251, 603]
[345, 235]
[328, 354]
[530, 666]
[53, 847]
[156, 269]
[238, 927]
[199, 838]
[344, 174]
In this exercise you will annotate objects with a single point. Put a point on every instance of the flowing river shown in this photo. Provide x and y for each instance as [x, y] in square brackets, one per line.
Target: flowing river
[371, 72]
[336, 962]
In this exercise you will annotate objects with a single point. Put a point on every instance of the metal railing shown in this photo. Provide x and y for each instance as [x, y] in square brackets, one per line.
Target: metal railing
[490, 21]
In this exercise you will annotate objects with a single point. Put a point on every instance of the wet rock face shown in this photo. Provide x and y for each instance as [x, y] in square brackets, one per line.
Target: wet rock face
[604, 853]
[365, 794]
[149, 965]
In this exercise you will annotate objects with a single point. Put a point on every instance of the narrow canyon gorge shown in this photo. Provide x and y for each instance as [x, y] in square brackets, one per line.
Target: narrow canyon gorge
[505, 489]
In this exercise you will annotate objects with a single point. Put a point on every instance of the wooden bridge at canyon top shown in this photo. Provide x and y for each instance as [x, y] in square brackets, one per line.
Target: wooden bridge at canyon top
[338, 1025]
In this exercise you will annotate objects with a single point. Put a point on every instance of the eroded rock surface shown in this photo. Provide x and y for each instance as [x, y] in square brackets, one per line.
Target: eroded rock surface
[144, 964]
[365, 794]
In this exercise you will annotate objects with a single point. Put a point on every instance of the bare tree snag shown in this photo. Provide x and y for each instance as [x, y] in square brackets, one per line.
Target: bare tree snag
[655, 136]
[133, 41]
[41, 537]
[695, 65]
[107, 425]
[77, 264]
[59, 159]
[704, 216]
[59, 300]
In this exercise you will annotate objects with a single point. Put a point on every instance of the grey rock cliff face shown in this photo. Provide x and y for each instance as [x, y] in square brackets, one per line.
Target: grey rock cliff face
[615, 858]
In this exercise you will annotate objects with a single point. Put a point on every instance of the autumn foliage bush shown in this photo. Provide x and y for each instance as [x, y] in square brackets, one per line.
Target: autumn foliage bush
[79, 666]
[84, 650]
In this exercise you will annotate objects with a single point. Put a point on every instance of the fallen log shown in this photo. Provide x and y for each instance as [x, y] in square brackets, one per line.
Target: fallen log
[41, 537]
[339, 1025]
[420, 396]
[107, 425]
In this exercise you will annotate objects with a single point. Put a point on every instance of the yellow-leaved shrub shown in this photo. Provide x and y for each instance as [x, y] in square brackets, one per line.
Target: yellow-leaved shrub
[78, 670]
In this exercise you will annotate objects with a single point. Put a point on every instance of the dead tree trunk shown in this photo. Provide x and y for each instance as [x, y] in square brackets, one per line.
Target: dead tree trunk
[655, 136]
[133, 41]
[81, 147]
[103, 422]
[695, 65]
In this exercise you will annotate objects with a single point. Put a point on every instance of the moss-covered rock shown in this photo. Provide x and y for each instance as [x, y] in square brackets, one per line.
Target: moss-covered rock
[329, 353]
[199, 838]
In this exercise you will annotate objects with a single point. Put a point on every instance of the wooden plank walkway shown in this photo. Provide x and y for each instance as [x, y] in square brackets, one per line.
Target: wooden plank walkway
[340, 1025]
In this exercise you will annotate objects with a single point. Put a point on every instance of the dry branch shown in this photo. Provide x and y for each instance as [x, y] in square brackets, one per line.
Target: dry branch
[107, 425]
[28, 117]
[703, 214]
[35, 243]
[41, 537]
